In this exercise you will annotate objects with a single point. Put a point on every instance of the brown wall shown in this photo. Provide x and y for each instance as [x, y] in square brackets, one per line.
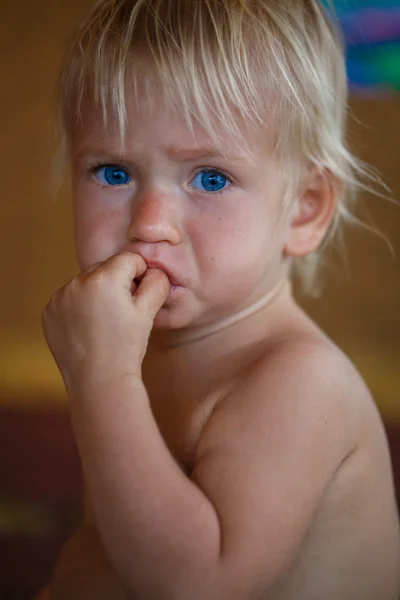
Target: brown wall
[359, 310]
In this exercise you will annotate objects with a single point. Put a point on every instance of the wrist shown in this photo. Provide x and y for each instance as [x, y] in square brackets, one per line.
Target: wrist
[99, 383]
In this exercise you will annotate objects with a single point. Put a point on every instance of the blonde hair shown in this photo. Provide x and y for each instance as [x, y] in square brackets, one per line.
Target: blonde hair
[217, 59]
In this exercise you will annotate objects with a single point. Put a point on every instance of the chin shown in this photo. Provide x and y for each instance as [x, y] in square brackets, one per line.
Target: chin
[180, 311]
[168, 319]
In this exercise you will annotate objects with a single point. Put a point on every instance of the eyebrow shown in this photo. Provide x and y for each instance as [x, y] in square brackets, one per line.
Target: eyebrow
[188, 154]
[176, 153]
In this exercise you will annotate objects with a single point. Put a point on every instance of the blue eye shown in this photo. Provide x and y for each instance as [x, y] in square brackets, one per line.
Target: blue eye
[210, 181]
[112, 175]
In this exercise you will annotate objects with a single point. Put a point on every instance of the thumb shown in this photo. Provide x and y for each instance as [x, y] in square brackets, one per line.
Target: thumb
[152, 292]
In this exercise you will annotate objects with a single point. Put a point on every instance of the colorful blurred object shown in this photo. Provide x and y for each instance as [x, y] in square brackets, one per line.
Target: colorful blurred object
[372, 33]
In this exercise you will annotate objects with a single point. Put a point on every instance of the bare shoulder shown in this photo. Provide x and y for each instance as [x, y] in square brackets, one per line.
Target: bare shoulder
[317, 378]
[315, 364]
[327, 382]
[303, 397]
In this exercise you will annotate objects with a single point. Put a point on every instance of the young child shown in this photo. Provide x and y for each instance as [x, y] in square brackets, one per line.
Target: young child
[230, 450]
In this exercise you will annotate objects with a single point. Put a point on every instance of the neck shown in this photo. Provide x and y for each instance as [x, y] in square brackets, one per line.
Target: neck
[183, 366]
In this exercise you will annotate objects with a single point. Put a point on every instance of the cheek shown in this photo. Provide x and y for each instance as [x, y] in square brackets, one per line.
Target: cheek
[238, 235]
[97, 234]
[242, 248]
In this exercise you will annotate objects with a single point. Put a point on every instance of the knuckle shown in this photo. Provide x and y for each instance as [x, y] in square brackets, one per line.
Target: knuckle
[91, 269]
[53, 301]
[96, 280]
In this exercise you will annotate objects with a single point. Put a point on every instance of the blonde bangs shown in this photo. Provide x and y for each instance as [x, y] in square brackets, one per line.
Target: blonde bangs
[214, 61]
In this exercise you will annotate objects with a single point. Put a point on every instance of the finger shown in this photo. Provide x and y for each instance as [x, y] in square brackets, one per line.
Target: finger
[92, 268]
[152, 292]
[124, 267]
[133, 287]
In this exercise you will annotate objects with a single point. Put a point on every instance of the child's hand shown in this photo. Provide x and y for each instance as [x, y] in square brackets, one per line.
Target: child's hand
[98, 325]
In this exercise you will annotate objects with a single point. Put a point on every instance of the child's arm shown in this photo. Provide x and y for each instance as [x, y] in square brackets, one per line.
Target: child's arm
[263, 463]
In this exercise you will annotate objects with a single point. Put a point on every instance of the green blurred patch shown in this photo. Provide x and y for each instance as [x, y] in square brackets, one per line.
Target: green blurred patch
[25, 518]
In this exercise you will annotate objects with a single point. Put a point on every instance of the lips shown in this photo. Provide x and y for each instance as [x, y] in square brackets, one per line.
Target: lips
[155, 264]
[152, 263]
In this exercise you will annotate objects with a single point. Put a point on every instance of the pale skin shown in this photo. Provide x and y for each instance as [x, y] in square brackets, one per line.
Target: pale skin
[229, 449]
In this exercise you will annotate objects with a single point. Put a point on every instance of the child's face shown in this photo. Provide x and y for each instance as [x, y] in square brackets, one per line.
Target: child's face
[216, 224]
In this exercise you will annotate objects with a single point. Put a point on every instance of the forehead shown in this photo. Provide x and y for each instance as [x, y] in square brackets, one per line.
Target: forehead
[152, 118]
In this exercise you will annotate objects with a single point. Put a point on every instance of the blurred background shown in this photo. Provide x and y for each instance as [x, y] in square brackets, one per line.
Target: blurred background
[40, 480]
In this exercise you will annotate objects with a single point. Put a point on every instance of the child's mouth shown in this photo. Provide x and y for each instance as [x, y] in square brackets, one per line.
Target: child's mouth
[138, 280]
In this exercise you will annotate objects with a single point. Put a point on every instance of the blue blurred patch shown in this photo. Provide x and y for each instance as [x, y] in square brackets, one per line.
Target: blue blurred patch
[372, 33]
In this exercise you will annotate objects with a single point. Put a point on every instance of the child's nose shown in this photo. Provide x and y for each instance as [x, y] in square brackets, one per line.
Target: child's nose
[155, 218]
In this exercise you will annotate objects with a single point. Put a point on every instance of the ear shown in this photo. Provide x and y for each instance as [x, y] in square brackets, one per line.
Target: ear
[313, 213]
